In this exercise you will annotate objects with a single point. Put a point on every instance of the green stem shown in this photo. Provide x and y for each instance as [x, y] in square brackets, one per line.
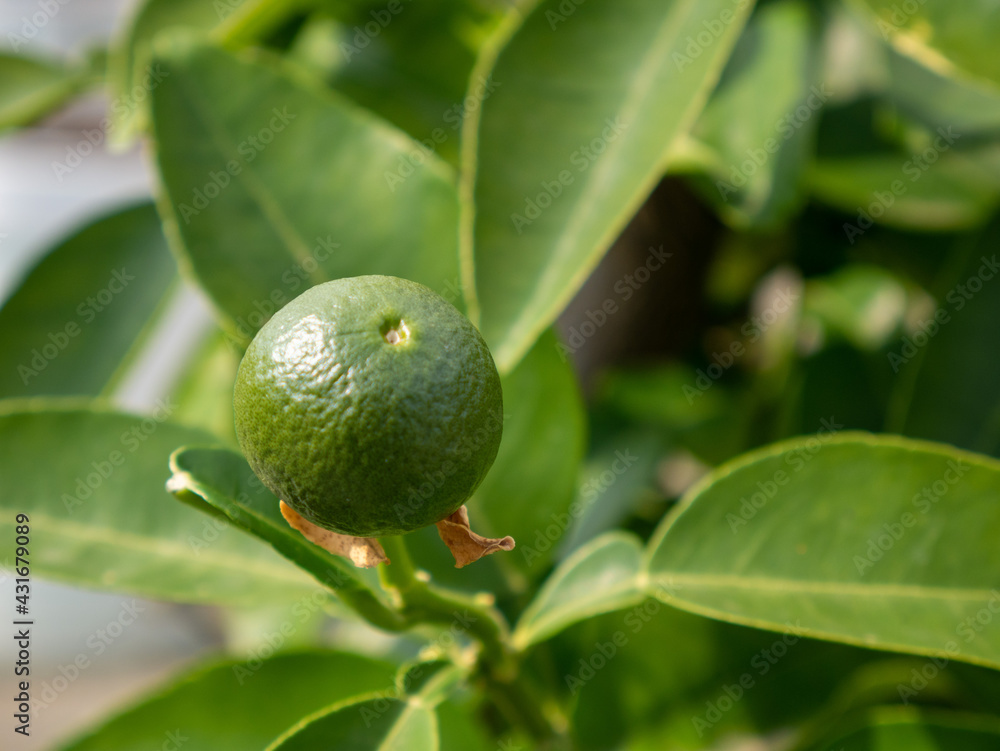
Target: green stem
[400, 575]
[422, 603]
[373, 611]
[309, 558]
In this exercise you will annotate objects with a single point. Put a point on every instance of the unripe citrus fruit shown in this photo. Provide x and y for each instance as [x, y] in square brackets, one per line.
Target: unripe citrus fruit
[369, 405]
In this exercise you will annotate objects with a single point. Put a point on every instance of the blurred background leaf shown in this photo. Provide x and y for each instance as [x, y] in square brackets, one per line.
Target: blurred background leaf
[233, 704]
[900, 728]
[204, 394]
[132, 72]
[942, 35]
[102, 519]
[409, 63]
[947, 389]
[760, 119]
[76, 317]
[32, 88]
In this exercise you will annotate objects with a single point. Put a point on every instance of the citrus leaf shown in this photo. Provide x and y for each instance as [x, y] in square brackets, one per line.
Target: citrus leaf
[946, 190]
[73, 320]
[907, 729]
[604, 575]
[863, 304]
[941, 100]
[460, 730]
[197, 711]
[876, 541]
[30, 89]
[761, 117]
[91, 482]
[571, 142]
[375, 724]
[220, 482]
[530, 486]
[431, 679]
[271, 186]
[945, 36]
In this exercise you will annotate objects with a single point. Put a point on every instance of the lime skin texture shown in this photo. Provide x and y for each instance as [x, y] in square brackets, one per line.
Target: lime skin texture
[370, 405]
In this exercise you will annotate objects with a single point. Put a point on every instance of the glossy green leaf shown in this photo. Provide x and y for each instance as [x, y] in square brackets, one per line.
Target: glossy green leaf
[604, 575]
[376, 724]
[760, 119]
[220, 482]
[876, 541]
[238, 705]
[272, 186]
[566, 149]
[70, 324]
[929, 189]
[941, 34]
[91, 482]
[528, 491]
[30, 89]
[905, 729]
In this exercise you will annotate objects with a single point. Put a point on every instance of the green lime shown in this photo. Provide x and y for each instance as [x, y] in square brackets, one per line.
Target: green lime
[369, 405]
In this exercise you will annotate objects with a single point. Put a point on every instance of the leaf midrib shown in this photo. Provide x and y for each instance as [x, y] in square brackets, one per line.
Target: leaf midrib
[805, 586]
[584, 207]
[292, 240]
[157, 547]
[405, 717]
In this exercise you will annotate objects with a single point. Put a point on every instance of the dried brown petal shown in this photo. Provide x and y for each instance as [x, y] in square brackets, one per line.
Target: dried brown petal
[363, 552]
[466, 545]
